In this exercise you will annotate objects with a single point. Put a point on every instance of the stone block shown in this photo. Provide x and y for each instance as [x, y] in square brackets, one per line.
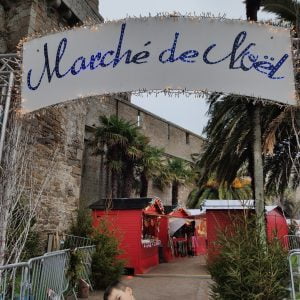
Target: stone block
[76, 171]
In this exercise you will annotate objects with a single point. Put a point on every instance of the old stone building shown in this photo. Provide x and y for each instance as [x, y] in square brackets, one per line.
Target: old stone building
[64, 130]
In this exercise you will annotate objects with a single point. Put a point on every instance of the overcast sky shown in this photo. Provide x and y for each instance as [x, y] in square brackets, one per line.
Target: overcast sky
[188, 112]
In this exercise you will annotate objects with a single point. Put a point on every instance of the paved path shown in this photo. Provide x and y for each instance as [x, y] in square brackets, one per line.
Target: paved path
[183, 279]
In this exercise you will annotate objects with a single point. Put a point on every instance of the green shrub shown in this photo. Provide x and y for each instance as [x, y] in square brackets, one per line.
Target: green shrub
[83, 225]
[75, 268]
[245, 268]
[106, 266]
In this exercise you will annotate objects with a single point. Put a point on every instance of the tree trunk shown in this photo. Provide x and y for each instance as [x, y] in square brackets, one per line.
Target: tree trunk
[102, 179]
[175, 189]
[3, 231]
[144, 185]
[251, 167]
[128, 180]
[114, 184]
[252, 6]
[107, 182]
[258, 173]
[120, 186]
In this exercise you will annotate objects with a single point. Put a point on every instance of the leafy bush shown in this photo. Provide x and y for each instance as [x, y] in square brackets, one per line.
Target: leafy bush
[75, 268]
[83, 225]
[243, 267]
[106, 266]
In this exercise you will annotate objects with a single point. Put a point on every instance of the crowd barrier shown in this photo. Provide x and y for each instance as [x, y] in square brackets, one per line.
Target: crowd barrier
[43, 277]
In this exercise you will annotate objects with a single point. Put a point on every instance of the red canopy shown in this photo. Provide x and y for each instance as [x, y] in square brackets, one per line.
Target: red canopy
[155, 208]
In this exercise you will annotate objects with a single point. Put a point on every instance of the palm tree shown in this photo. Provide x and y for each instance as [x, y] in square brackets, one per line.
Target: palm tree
[252, 6]
[180, 174]
[120, 141]
[151, 165]
[230, 128]
[285, 10]
[131, 157]
[239, 189]
[175, 172]
[230, 138]
[229, 143]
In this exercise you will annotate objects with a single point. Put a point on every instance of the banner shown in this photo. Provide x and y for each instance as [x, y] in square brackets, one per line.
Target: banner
[180, 53]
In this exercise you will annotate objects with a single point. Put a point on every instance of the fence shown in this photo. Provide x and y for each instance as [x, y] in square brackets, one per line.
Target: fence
[291, 242]
[86, 271]
[42, 277]
[66, 241]
[294, 266]
[13, 281]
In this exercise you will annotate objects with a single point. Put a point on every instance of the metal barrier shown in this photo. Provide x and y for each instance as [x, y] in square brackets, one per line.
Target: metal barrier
[66, 241]
[87, 253]
[294, 266]
[73, 241]
[42, 277]
[291, 242]
[47, 275]
[13, 281]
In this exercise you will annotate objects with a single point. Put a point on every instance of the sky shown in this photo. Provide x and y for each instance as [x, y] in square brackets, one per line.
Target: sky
[188, 112]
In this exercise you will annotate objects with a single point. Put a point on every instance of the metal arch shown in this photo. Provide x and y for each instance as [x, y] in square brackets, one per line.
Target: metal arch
[9, 62]
[10, 65]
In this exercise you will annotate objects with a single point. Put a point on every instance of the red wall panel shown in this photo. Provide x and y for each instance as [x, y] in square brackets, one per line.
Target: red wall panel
[276, 224]
[128, 224]
[222, 219]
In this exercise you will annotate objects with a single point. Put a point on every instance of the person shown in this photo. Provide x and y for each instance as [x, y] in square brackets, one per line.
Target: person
[118, 291]
[191, 239]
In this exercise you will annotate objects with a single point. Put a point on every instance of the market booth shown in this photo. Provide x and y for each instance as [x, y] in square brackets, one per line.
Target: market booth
[178, 233]
[137, 220]
[276, 222]
[220, 213]
[201, 230]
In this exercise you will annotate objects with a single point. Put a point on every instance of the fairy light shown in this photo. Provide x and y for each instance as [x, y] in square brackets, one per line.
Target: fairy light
[93, 26]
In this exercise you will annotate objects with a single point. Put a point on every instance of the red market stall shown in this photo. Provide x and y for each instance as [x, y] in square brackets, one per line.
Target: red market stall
[179, 234]
[276, 222]
[219, 215]
[201, 230]
[137, 220]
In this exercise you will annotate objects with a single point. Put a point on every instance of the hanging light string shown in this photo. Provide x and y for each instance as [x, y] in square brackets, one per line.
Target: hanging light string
[169, 91]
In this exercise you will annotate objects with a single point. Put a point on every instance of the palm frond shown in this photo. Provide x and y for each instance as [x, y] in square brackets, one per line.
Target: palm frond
[284, 9]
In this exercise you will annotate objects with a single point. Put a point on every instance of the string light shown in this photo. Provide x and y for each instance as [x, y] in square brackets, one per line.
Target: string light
[93, 26]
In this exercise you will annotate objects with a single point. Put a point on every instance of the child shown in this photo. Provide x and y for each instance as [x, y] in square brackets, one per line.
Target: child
[118, 291]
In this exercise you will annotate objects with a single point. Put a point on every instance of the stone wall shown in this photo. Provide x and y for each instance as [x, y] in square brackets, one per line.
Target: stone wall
[63, 132]
[3, 31]
[162, 134]
[94, 4]
[59, 151]
[26, 17]
[59, 130]
[20, 18]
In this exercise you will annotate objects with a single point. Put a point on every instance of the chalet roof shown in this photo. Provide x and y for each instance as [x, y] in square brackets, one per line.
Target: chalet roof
[179, 212]
[228, 204]
[122, 203]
